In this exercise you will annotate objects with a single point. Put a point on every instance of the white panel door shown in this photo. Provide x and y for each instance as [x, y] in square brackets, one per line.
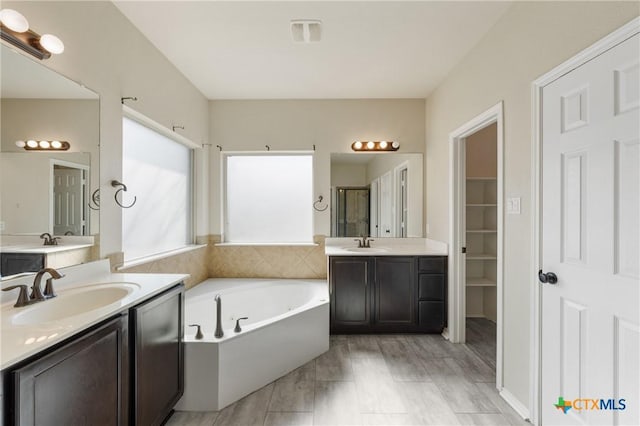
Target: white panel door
[590, 240]
[374, 191]
[68, 194]
[386, 213]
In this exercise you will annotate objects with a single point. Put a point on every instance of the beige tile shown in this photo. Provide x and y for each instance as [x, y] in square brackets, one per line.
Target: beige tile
[186, 418]
[295, 391]
[288, 419]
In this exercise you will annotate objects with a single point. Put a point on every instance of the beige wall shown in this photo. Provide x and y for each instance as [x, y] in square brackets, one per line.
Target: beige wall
[343, 174]
[529, 40]
[331, 125]
[481, 152]
[105, 52]
[73, 120]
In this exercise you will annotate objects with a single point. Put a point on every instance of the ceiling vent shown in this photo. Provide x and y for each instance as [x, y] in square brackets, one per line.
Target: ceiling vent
[306, 30]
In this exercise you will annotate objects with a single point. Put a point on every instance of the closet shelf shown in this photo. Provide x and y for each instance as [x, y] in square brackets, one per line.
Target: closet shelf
[482, 178]
[480, 282]
[482, 205]
[482, 231]
[481, 256]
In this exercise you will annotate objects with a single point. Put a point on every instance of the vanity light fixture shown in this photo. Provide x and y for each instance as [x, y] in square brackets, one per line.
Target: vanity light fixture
[14, 29]
[33, 145]
[375, 146]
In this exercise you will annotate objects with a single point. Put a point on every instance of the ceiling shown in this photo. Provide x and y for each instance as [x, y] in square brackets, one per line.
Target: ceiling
[375, 49]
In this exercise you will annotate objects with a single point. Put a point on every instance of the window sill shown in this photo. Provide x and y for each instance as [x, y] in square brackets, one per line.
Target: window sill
[310, 244]
[163, 255]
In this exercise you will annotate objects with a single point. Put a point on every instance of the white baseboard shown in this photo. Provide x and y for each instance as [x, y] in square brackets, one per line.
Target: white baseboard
[445, 333]
[515, 403]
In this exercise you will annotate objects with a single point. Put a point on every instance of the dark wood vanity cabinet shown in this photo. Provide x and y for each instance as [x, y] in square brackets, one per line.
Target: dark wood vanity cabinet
[85, 381]
[387, 294]
[157, 357]
[127, 370]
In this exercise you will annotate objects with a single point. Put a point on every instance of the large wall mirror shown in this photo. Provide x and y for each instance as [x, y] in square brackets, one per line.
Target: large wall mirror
[376, 194]
[46, 191]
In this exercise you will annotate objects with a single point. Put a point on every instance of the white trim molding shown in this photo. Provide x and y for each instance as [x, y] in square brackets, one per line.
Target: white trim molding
[625, 32]
[457, 290]
[515, 404]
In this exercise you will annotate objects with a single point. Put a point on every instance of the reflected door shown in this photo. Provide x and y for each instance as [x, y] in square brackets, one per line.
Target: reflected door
[352, 212]
[386, 206]
[69, 202]
[590, 223]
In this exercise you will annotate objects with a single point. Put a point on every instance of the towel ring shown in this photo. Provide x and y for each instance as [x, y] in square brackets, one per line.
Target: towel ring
[123, 187]
[317, 205]
[95, 197]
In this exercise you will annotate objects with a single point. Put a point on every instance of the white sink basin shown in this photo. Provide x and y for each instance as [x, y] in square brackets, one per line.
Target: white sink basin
[366, 249]
[73, 302]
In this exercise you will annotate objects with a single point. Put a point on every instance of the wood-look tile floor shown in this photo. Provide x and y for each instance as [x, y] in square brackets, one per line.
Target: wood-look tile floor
[374, 380]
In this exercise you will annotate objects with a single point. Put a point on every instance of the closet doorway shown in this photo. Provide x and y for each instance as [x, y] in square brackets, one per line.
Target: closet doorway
[476, 234]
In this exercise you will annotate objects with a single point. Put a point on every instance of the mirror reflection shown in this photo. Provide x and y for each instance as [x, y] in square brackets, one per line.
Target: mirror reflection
[46, 191]
[376, 194]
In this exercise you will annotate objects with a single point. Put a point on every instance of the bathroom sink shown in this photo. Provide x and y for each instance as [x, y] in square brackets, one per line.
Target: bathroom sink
[366, 249]
[73, 302]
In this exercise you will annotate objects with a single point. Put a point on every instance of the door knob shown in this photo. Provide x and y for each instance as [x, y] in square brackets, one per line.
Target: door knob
[549, 277]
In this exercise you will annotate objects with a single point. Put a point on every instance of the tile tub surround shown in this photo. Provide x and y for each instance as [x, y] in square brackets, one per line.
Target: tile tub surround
[374, 380]
[194, 263]
[391, 246]
[265, 261]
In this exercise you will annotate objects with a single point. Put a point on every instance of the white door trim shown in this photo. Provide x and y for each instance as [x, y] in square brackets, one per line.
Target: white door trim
[611, 40]
[457, 302]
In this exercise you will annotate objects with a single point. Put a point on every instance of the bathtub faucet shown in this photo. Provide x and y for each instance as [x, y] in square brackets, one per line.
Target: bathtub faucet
[219, 333]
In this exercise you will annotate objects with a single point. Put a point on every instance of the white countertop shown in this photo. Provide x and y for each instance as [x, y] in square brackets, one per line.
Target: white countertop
[41, 249]
[19, 342]
[386, 247]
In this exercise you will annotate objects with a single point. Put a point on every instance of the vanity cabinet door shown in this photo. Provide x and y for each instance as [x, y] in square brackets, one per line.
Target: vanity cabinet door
[157, 356]
[350, 293]
[82, 382]
[395, 293]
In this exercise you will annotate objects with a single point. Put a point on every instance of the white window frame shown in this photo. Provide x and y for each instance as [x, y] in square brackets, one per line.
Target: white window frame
[143, 120]
[223, 191]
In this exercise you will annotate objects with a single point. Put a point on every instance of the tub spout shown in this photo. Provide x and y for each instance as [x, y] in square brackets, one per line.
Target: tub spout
[219, 333]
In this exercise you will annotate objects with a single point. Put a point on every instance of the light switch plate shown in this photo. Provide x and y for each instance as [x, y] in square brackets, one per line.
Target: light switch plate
[513, 205]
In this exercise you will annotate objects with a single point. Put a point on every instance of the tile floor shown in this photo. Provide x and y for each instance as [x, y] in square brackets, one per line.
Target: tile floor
[375, 380]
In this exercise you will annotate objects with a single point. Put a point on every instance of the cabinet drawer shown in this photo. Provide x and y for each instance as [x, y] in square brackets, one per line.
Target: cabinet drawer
[431, 316]
[431, 287]
[435, 265]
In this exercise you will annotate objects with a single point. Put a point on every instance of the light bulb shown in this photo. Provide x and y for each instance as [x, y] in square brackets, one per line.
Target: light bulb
[370, 145]
[383, 145]
[52, 43]
[14, 20]
[32, 144]
[395, 145]
[44, 144]
[56, 144]
[21, 144]
[357, 145]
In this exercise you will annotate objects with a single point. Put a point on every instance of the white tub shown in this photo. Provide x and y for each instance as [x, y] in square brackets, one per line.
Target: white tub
[288, 326]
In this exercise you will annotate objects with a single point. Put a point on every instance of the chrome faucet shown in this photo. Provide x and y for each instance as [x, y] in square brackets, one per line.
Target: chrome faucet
[36, 291]
[219, 333]
[49, 292]
[49, 240]
[364, 242]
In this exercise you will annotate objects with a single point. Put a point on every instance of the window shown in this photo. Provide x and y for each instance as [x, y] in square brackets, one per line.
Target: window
[268, 198]
[157, 170]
